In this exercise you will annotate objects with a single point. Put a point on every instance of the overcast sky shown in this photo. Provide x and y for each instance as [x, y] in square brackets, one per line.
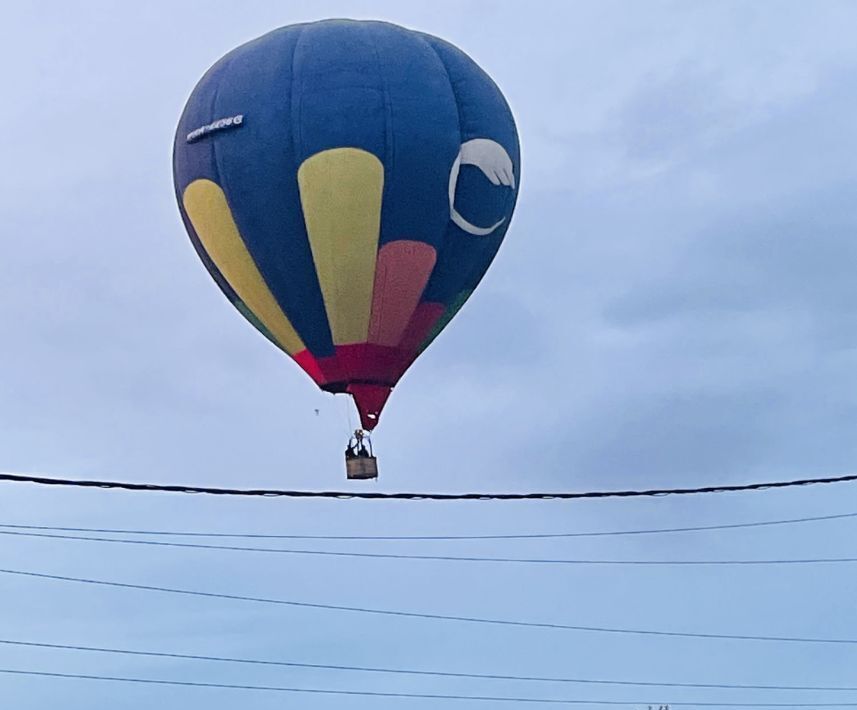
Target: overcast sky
[673, 306]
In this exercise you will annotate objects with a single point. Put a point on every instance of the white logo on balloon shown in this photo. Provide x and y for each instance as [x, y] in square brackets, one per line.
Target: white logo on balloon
[493, 160]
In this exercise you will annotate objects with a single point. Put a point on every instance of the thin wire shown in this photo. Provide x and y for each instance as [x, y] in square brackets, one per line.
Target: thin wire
[423, 696]
[409, 671]
[275, 492]
[437, 558]
[425, 615]
[521, 536]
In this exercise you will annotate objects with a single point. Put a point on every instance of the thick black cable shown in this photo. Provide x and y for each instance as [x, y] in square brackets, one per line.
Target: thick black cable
[513, 536]
[426, 615]
[417, 672]
[422, 696]
[436, 558]
[275, 492]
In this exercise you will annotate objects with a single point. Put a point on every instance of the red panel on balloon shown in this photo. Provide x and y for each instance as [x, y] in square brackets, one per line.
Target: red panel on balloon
[422, 322]
[310, 365]
[370, 400]
[402, 271]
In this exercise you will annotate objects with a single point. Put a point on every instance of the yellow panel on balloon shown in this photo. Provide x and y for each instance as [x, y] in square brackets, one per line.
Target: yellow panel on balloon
[341, 198]
[208, 210]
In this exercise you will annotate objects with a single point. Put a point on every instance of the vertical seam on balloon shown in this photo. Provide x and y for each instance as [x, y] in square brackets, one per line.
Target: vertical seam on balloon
[449, 79]
[214, 97]
[295, 118]
[196, 242]
[379, 286]
[389, 134]
[296, 108]
[443, 241]
[389, 170]
[218, 180]
[225, 188]
[221, 183]
[297, 148]
[297, 138]
[381, 289]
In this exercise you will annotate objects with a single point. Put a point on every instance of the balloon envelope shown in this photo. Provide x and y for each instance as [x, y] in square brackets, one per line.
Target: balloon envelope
[347, 184]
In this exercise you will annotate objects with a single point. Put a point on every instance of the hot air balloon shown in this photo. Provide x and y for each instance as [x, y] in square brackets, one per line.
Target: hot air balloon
[347, 184]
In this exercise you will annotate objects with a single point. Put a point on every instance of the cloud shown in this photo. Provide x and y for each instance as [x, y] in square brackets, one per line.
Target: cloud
[673, 306]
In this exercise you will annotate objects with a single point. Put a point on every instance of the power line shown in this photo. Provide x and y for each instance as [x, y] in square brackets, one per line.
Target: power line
[514, 536]
[410, 671]
[437, 558]
[276, 492]
[426, 615]
[423, 696]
